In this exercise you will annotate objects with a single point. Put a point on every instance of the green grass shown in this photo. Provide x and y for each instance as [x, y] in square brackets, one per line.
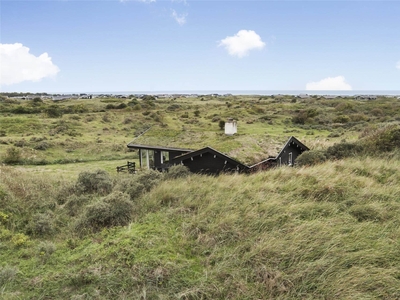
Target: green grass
[328, 231]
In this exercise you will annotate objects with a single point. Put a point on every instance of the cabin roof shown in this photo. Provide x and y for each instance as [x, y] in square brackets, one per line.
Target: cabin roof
[159, 148]
[292, 139]
[205, 150]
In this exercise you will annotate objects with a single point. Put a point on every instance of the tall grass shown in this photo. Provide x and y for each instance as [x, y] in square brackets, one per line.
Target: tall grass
[324, 232]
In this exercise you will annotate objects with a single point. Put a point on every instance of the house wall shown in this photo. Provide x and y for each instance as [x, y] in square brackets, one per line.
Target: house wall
[283, 158]
[207, 164]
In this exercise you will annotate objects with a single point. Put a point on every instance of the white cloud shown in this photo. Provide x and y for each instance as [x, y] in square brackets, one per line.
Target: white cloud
[329, 84]
[183, 1]
[180, 19]
[398, 65]
[18, 65]
[242, 42]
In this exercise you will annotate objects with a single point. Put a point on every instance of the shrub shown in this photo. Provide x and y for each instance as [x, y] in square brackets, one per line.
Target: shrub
[13, 156]
[65, 192]
[41, 224]
[135, 186]
[94, 182]
[385, 139]
[46, 249]
[5, 234]
[221, 124]
[121, 106]
[343, 150]
[7, 274]
[42, 146]
[53, 111]
[177, 171]
[37, 100]
[113, 210]
[309, 158]
[19, 239]
[341, 119]
[74, 204]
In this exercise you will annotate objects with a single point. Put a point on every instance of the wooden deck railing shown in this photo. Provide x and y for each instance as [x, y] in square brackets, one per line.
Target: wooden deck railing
[130, 167]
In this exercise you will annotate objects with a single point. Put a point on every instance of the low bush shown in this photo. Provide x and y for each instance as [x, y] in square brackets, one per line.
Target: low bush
[309, 158]
[19, 239]
[113, 210]
[343, 150]
[42, 146]
[177, 171]
[94, 182]
[41, 224]
[46, 249]
[135, 186]
[75, 203]
[13, 156]
[7, 274]
[384, 139]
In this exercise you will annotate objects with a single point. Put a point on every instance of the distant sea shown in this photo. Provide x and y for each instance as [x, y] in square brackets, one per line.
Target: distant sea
[257, 92]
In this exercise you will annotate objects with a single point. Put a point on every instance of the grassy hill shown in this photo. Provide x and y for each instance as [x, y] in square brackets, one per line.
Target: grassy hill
[324, 231]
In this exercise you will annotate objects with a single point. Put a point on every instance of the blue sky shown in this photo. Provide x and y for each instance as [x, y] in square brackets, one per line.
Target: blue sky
[132, 45]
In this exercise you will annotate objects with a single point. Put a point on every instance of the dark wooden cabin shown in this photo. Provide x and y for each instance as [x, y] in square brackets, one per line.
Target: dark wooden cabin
[286, 157]
[212, 162]
[208, 161]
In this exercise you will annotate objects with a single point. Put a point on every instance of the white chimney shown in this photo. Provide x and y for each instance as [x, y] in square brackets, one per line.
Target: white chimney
[230, 127]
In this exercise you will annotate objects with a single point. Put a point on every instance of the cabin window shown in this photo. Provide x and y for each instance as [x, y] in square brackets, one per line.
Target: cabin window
[290, 159]
[280, 161]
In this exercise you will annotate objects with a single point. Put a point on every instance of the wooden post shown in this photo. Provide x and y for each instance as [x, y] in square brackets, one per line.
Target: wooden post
[140, 157]
[147, 159]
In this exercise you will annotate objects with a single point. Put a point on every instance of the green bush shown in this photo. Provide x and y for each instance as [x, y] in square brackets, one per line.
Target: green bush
[75, 203]
[53, 111]
[309, 158]
[42, 146]
[41, 224]
[13, 156]
[46, 249]
[343, 150]
[341, 119]
[113, 210]
[177, 171]
[65, 192]
[7, 274]
[135, 186]
[385, 139]
[94, 182]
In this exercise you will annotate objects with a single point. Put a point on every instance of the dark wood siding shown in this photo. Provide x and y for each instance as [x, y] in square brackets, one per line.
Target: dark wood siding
[284, 156]
[209, 163]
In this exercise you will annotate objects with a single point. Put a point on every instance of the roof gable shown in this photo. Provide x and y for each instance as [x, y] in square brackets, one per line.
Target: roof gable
[291, 140]
[207, 150]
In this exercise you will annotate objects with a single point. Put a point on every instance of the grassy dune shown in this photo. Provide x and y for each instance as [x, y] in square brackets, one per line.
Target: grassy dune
[324, 232]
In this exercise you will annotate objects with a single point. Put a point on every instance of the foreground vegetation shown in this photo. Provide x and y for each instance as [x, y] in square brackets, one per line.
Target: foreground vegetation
[328, 229]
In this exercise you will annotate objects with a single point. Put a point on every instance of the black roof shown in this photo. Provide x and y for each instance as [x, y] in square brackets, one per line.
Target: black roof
[159, 148]
[205, 150]
[294, 140]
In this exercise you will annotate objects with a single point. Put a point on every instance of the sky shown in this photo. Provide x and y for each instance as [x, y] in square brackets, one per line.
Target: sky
[175, 45]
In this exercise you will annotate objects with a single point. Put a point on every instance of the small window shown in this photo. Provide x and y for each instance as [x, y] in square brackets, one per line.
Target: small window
[290, 161]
